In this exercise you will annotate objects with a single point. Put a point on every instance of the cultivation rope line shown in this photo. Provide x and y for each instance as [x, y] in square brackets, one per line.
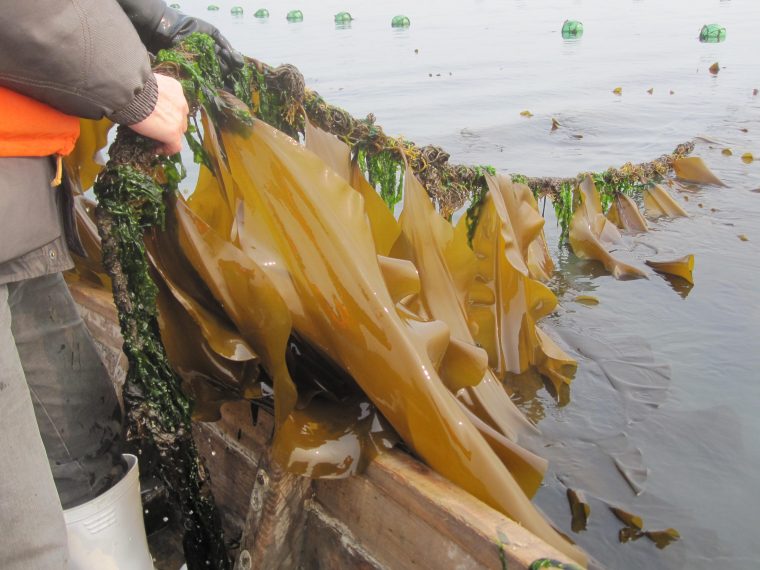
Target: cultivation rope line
[449, 185]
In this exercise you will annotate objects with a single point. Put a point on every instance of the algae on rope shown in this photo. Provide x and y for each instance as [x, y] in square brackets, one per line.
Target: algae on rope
[130, 202]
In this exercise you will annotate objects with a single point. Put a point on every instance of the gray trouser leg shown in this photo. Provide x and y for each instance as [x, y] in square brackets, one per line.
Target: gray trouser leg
[74, 399]
[32, 531]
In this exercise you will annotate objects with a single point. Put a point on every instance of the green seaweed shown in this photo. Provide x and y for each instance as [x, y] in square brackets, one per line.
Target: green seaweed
[131, 202]
[551, 564]
[384, 170]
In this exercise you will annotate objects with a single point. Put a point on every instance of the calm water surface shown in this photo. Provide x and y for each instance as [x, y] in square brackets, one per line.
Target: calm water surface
[459, 78]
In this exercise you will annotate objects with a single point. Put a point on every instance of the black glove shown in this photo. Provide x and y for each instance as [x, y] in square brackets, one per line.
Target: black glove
[162, 27]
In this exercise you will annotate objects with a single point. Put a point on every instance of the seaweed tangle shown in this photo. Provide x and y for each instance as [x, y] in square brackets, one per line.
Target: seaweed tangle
[130, 202]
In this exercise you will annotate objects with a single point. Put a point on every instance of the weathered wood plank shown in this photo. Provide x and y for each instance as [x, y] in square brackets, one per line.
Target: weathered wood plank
[274, 529]
[330, 544]
[408, 517]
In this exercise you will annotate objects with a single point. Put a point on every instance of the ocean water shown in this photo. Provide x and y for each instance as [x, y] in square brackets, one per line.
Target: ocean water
[668, 385]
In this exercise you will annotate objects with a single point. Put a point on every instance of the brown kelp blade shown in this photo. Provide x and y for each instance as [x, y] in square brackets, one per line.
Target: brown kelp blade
[209, 379]
[579, 508]
[332, 440]
[682, 267]
[432, 248]
[504, 302]
[694, 169]
[658, 202]
[631, 520]
[84, 161]
[190, 292]
[319, 225]
[337, 155]
[248, 296]
[591, 233]
[663, 538]
[624, 213]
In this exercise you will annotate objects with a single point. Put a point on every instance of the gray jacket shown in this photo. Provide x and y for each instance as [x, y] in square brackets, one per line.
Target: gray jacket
[85, 58]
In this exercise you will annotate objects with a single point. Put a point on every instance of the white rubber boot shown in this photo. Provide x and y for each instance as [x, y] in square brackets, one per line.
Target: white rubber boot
[107, 533]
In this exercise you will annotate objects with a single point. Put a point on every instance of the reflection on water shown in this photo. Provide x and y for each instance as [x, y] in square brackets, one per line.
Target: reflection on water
[460, 80]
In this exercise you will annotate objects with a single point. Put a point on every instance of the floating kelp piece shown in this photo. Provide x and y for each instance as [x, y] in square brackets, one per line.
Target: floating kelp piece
[627, 534]
[294, 16]
[343, 18]
[712, 33]
[236, 10]
[572, 29]
[663, 538]
[658, 202]
[261, 13]
[579, 508]
[618, 90]
[727, 152]
[400, 21]
[747, 158]
[212, 8]
[630, 520]
[589, 300]
[694, 169]
[682, 267]
[714, 68]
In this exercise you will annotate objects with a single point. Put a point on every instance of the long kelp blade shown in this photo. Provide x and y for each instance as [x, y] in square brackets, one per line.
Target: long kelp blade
[505, 302]
[432, 249]
[248, 296]
[319, 225]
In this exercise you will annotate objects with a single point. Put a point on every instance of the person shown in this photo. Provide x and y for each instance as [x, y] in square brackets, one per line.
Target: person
[60, 422]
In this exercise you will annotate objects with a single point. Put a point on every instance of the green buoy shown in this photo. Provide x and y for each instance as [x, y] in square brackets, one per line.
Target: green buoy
[343, 18]
[261, 13]
[572, 29]
[295, 16]
[712, 33]
[236, 10]
[175, 6]
[400, 22]
[212, 8]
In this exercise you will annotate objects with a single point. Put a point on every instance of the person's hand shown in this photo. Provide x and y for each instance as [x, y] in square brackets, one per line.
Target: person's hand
[168, 121]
